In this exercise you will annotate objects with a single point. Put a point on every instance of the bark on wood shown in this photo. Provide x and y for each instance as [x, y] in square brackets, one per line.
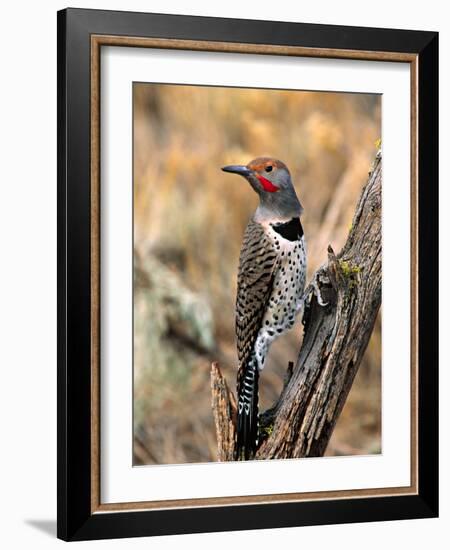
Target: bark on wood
[301, 422]
[224, 408]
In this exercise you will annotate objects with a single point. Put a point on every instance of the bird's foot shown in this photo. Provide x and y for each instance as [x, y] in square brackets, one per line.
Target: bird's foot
[318, 293]
[314, 288]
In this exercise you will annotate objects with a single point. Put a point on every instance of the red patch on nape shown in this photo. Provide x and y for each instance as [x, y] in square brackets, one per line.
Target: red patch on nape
[268, 186]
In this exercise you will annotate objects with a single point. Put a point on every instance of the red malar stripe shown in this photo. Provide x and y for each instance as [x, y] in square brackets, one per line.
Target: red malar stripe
[268, 186]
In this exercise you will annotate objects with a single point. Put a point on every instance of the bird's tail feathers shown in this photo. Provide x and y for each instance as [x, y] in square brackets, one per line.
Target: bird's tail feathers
[247, 417]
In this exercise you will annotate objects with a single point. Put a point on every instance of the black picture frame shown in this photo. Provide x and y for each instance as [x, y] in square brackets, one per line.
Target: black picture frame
[76, 521]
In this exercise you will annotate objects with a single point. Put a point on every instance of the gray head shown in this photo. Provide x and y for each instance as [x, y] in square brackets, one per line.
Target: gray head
[271, 179]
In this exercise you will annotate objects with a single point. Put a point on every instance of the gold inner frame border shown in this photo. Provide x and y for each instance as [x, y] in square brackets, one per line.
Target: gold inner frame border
[97, 41]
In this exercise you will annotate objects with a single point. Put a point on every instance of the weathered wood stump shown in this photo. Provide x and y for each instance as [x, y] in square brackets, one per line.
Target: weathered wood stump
[336, 335]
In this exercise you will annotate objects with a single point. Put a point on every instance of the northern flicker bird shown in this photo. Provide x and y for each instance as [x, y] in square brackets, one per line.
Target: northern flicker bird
[271, 281]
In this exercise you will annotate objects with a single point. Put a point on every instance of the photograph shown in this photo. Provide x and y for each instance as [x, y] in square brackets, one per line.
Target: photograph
[247, 273]
[222, 317]
[240, 196]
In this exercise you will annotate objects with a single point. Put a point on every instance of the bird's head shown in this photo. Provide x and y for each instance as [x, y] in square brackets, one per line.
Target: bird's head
[270, 178]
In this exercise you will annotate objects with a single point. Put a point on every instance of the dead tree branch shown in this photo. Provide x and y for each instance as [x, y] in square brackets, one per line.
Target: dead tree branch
[301, 422]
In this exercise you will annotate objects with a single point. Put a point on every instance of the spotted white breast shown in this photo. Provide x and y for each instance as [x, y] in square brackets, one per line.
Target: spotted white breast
[285, 300]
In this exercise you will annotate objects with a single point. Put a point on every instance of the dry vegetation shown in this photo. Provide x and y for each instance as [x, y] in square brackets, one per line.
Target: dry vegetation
[189, 219]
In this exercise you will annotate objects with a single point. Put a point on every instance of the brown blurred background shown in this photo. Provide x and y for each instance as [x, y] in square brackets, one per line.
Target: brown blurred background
[189, 218]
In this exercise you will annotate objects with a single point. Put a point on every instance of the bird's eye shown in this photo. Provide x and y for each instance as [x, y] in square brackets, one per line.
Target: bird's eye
[269, 168]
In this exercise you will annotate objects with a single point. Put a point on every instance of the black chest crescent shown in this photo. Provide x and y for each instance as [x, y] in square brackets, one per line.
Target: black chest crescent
[291, 230]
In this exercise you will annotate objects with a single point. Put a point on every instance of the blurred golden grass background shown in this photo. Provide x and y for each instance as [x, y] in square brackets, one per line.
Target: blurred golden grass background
[189, 218]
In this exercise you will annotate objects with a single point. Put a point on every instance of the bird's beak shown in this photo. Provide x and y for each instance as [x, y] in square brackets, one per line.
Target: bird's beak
[238, 169]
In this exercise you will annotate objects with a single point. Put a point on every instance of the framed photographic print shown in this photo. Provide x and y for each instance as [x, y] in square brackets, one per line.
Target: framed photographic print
[247, 270]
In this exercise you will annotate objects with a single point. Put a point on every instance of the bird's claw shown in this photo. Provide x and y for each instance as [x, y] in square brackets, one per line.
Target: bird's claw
[314, 288]
[318, 294]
